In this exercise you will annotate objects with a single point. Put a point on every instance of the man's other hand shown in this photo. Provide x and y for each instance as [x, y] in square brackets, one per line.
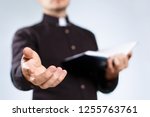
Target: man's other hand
[115, 64]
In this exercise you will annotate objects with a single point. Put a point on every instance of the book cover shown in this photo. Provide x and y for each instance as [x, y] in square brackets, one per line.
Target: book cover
[94, 61]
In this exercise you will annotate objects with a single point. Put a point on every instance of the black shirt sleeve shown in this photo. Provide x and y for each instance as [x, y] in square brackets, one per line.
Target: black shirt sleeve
[102, 84]
[21, 39]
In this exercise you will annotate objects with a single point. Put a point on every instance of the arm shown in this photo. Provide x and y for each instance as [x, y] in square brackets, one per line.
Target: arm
[115, 64]
[22, 38]
[27, 70]
[103, 83]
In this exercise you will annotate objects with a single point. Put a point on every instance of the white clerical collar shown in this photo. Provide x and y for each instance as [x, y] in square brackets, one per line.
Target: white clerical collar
[62, 21]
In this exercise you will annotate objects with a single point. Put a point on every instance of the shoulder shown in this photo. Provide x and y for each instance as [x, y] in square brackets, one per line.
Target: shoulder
[28, 30]
[83, 30]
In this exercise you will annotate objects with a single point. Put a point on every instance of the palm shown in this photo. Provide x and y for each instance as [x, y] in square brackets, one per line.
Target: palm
[32, 62]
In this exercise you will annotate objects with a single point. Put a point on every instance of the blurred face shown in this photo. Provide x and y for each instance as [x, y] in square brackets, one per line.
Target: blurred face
[54, 5]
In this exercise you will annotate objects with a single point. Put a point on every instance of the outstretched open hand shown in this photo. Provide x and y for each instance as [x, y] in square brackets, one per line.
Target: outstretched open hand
[37, 74]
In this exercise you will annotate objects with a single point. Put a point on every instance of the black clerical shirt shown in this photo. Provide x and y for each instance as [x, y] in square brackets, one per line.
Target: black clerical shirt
[53, 43]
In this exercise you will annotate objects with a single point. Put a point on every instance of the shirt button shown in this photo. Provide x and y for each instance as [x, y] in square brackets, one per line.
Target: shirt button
[82, 86]
[73, 47]
[67, 31]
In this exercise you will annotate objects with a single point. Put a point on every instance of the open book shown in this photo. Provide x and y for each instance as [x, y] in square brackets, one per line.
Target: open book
[94, 60]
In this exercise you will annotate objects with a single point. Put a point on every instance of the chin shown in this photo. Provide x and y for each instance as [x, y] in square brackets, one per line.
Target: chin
[60, 3]
[59, 7]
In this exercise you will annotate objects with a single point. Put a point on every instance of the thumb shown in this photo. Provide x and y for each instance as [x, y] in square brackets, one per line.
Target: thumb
[129, 55]
[116, 62]
[28, 53]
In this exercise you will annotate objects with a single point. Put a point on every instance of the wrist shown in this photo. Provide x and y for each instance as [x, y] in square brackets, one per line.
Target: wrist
[111, 76]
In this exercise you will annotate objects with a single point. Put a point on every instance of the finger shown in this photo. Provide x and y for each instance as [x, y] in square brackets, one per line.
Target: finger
[125, 62]
[61, 78]
[116, 62]
[121, 62]
[28, 53]
[43, 77]
[52, 81]
[110, 65]
[54, 77]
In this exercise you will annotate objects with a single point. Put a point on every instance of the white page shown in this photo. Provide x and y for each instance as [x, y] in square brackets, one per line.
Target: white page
[120, 49]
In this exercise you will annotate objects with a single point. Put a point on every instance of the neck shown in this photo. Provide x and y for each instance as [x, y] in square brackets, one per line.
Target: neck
[58, 13]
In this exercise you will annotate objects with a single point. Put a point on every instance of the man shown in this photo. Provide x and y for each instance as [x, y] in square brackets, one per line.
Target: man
[39, 50]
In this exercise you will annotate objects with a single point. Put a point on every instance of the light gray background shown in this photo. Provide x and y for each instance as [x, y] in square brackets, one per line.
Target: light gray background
[113, 22]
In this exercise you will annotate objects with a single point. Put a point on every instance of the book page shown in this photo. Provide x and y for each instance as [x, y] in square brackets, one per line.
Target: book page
[120, 49]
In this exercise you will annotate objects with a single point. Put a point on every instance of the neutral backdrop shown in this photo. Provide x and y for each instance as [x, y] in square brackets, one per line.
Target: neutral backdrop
[112, 21]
